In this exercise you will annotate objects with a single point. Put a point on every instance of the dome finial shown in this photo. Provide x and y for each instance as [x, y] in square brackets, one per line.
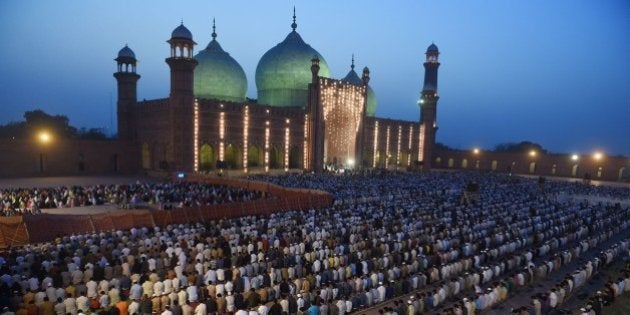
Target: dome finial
[214, 30]
[352, 64]
[294, 25]
[181, 22]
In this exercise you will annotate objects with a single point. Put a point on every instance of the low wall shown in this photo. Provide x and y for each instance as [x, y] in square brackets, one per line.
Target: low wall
[22, 230]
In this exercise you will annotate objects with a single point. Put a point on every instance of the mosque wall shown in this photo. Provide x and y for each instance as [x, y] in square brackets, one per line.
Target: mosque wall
[602, 167]
[391, 144]
[61, 157]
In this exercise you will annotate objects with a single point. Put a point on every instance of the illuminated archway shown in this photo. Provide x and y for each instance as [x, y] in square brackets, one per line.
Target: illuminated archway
[532, 167]
[465, 163]
[553, 169]
[232, 156]
[438, 161]
[495, 164]
[622, 173]
[600, 171]
[380, 157]
[295, 157]
[206, 157]
[574, 170]
[451, 162]
[254, 156]
[276, 157]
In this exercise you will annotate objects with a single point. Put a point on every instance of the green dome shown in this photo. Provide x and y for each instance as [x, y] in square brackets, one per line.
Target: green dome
[371, 102]
[284, 72]
[218, 76]
[353, 78]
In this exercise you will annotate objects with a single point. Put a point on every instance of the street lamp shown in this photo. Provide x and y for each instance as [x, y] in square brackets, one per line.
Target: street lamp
[532, 153]
[44, 138]
[476, 151]
[598, 155]
[575, 157]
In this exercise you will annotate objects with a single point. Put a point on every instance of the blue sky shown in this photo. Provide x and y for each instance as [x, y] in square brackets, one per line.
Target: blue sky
[552, 72]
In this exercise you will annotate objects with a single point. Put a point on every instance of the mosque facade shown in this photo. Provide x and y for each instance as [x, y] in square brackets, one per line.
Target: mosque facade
[302, 118]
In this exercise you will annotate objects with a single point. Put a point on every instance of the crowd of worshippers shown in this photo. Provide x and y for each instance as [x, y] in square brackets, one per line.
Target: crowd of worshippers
[415, 249]
[608, 294]
[378, 183]
[16, 201]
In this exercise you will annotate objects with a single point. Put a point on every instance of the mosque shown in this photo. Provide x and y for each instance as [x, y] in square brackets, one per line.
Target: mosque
[302, 118]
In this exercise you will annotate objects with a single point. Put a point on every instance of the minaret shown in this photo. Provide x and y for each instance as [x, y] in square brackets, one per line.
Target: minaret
[315, 154]
[428, 106]
[179, 146]
[127, 93]
[359, 149]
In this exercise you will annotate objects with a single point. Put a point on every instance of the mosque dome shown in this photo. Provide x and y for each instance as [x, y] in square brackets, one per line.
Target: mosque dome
[371, 102]
[126, 52]
[432, 48]
[217, 75]
[353, 78]
[181, 32]
[284, 72]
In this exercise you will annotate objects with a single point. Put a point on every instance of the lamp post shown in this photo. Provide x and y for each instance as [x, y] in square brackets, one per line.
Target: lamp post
[44, 139]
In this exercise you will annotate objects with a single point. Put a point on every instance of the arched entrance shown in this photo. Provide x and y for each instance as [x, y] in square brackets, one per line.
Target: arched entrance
[295, 158]
[254, 156]
[600, 171]
[532, 167]
[553, 169]
[574, 170]
[495, 164]
[450, 162]
[232, 156]
[275, 158]
[380, 158]
[206, 157]
[438, 161]
[465, 163]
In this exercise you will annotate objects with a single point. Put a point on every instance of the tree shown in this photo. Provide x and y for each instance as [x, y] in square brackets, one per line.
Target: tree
[37, 120]
[60, 125]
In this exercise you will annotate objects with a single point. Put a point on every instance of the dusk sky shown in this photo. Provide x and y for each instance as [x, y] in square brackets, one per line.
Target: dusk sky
[553, 72]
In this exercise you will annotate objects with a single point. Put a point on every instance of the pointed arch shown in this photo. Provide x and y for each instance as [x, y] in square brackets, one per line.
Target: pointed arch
[276, 157]
[254, 156]
[206, 157]
[532, 167]
[295, 158]
[232, 156]
[574, 170]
